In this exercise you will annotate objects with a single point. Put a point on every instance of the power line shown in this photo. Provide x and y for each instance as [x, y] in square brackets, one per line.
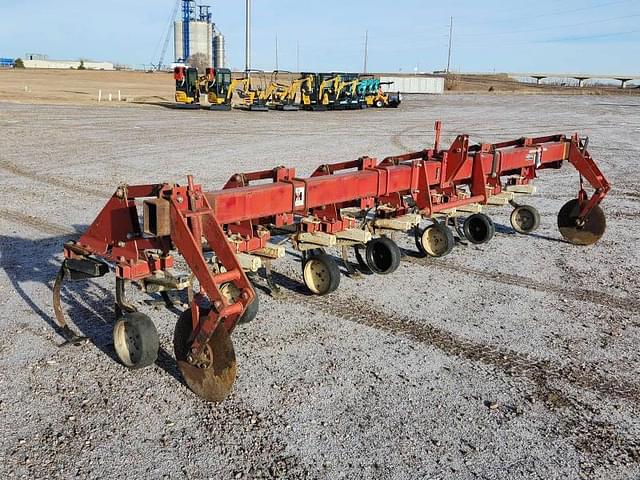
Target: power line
[560, 40]
[528, 17]
[552, 27]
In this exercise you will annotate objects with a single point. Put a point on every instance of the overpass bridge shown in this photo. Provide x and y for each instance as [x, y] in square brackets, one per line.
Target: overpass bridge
[580, 77]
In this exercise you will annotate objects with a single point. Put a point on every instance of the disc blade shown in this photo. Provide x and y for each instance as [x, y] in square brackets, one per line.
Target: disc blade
[586, 234]
[214, 381]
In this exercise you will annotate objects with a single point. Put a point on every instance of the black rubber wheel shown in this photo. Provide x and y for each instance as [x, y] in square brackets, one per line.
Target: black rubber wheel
[251, 311]
[478, 228]
[525, 219]
[135, 340]
[436, 240]
[321, 274]
[586, 233]
[417, 238]
[383, 255]
[379, 104]
[231, 292]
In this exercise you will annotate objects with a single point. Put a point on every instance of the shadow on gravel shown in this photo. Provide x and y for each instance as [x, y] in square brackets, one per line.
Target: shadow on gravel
[89, 307]
[169, 105]
[507, 230]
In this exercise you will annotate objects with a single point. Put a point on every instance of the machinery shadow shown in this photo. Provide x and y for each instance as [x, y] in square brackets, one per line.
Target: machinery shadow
[259, 280]
[88, 306]
[508, 230]
[165, 104]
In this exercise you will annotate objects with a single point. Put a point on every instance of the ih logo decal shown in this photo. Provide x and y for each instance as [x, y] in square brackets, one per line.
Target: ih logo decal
[298, 197]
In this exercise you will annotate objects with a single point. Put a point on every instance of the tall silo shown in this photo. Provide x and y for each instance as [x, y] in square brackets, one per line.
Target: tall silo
[200, 40]
[218, 50]
[177, 42]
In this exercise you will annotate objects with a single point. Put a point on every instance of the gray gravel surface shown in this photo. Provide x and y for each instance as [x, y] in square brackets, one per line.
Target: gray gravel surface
[515, 359]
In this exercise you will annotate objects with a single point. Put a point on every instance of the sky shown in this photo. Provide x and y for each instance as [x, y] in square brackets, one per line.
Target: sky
[569, 36]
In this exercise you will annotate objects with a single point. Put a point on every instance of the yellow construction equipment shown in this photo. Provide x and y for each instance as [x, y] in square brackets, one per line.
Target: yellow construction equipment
[250, 98]
[187, 87]
[217, 84]
[279, 96]
[346, 97]
[318, 90]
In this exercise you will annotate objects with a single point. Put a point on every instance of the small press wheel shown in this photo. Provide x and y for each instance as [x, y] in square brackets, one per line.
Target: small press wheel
[135, 339]
[383, 255]
[478, 228]
[232, 293]
[525, 219]
[321, 274]
[436, 240]
[585, 232]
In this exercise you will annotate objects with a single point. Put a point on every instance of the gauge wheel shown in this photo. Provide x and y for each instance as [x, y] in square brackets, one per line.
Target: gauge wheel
[478, 228]
[232, 293]
[436, 240]
[321, 274]
[525, 219]
[135, 340]
[383, 255]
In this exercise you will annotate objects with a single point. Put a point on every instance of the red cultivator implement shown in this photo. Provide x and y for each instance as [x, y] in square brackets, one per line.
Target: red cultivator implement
[224, 234]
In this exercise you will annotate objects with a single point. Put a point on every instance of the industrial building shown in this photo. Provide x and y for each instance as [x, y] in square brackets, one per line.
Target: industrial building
[413, 84]
[196, 33]
[38, 60]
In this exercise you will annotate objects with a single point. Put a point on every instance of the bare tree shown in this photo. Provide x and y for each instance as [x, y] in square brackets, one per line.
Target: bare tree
[199, 61]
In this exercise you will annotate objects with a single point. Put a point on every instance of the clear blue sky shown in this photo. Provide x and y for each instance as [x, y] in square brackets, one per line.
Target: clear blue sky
[591, 36]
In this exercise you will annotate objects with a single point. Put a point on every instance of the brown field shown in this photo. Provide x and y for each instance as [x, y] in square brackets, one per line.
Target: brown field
[81, 87]
[64, 87]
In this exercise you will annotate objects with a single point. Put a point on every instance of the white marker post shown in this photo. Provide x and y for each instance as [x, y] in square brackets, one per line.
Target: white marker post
[99, 96]
[109, 97]
[119, 96]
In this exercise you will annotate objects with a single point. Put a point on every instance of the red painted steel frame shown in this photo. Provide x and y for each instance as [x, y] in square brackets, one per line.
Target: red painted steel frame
[238, 217]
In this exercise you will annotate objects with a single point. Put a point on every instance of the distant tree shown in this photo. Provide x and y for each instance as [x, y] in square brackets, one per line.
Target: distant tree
[19, 63]
[199, 61]
[82, 67]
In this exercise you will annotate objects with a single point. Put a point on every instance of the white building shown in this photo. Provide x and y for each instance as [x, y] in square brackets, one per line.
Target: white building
[68, 64]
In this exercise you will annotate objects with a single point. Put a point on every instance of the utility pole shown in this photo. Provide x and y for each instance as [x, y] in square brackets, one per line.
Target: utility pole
[366, 50]
[450, 36]
[247, 53]
[276, 51]
[298, 56]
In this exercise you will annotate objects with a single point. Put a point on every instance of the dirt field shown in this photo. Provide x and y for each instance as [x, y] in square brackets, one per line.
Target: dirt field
[72, 87]
[82, 87]
[517, 359]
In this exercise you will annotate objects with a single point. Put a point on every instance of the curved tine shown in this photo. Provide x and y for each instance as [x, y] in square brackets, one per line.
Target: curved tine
[71, 337]
[352, 272]
[361, 261]
[459, 231]
[122, 303]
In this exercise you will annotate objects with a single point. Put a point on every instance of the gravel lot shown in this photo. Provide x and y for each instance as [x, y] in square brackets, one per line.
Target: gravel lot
[515, 359]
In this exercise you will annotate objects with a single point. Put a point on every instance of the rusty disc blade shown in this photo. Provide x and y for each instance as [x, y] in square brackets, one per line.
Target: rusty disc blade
[214, 380]
[587, 233]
